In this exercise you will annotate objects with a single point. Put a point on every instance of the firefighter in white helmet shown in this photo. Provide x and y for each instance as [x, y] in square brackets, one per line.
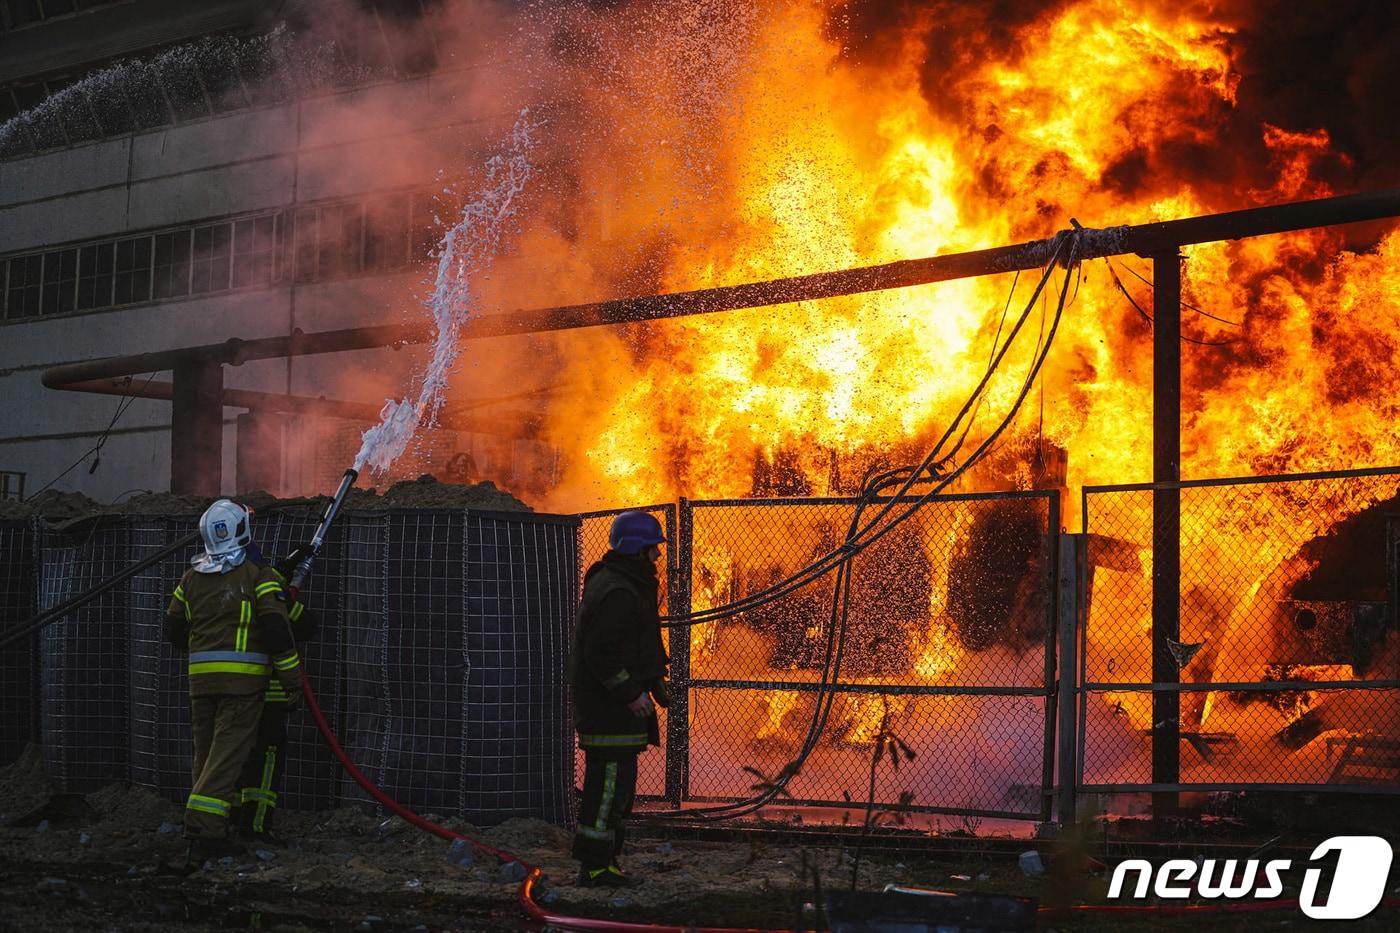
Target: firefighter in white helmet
[230, 614]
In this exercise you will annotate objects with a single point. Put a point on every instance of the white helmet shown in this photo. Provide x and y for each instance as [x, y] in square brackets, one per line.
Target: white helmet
[226, 527]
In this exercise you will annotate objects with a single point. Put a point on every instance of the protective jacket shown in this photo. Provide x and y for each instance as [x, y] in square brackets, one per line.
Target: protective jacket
[235, 627]
[303, 628]
[618, 653]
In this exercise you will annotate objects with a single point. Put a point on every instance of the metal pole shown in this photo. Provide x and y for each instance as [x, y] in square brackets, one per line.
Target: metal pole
[678, 715]
[1166, 524]
[197, 429]
[1071, 555]
[1054, 542]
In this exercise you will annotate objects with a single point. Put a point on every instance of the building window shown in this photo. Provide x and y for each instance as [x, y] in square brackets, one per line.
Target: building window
[60, 281]
[209, 268]
[23, 289]
[386, 233]
[254, 248]
[172, 264]
[95, 276]
[11, 486]
[316, 243]
[342, 226]
[133, 278]
[305, 236]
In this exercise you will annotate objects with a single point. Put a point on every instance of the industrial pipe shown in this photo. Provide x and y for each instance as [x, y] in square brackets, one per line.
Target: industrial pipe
[1144, 239]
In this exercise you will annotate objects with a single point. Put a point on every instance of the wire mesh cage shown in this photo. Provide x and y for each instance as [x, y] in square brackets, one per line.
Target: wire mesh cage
[1281, 663]
[439, 657]
[19, 663]
[455, 632]
[84, 663]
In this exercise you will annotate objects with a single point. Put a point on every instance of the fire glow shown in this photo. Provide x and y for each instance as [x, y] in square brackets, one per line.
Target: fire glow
[717, 143]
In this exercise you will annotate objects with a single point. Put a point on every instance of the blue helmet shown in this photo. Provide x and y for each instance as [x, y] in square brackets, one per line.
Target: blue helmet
[634, 532]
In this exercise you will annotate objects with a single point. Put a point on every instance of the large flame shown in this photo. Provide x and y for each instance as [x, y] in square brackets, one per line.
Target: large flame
[737, 143]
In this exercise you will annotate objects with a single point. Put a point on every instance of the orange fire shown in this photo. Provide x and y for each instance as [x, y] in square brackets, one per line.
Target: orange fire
[766, 144]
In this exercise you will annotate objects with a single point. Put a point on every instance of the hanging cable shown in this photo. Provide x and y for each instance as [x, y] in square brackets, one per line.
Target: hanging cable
[836, 636]
[1065, 241]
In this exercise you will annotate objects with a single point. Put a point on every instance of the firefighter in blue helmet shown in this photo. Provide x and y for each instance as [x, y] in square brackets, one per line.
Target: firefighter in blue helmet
[229, 613]
[617, 672]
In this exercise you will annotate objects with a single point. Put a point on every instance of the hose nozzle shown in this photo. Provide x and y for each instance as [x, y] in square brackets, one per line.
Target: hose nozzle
[319, 538]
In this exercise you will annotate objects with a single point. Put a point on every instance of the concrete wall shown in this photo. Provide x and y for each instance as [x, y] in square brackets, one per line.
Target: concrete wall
[377, 138]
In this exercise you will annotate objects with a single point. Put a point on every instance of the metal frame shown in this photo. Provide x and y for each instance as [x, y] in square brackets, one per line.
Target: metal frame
[1167, 690]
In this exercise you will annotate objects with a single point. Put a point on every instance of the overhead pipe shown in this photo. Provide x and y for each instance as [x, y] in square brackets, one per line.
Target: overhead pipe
[1146, 240]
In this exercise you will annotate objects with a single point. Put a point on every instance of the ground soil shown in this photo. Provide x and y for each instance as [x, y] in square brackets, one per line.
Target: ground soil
[111, 860]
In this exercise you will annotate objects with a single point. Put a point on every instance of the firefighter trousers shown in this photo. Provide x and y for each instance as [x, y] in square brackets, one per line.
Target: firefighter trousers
[262, 772]
[224, 729]
[609, 787]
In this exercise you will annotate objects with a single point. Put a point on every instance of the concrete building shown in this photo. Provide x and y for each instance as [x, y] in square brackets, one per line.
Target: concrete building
[212, 185]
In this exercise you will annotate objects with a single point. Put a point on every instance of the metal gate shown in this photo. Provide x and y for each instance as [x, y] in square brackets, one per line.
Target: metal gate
[949, 645]
[1283, 658]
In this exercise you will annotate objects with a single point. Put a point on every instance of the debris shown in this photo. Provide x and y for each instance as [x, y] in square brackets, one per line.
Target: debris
[265, 855]
[461, 853]
[52, 884]
[226, 861]
[619, 902]
[511, 873]
[167, 828]
[550, 896]
[43, 827]
[961, 877]
[413, 884]
[984, 877]
[665, 849]
[1031, 865]
[84, 839]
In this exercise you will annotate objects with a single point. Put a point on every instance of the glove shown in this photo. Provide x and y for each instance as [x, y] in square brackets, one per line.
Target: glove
[288, 565]
[291, 685]
[660, 692]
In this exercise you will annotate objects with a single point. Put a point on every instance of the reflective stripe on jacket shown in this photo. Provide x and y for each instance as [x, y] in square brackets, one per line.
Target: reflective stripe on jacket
[228, 653]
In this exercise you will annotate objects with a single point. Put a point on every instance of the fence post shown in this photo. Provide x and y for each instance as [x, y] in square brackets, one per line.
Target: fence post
[1166, 527]
[1070, 558]
[678, 714]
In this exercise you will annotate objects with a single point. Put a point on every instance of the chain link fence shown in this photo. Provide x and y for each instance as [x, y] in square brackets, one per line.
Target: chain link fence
[1281, 666]
[947, 643]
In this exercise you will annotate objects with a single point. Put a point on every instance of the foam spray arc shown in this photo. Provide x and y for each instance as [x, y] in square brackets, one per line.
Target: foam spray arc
[467, 248]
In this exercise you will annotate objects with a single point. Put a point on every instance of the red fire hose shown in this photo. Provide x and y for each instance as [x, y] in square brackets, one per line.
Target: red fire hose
[564, 922]
[533, 872]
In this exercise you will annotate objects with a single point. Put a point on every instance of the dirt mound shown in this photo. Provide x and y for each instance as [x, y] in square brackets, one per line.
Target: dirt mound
[23, 784]
[426, 492]
[52, 505]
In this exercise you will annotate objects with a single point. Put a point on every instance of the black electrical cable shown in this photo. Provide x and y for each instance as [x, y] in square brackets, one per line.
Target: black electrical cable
[824, 564]
[836, 638]
[1190, 307]
[1148, 318]
[123, 404]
